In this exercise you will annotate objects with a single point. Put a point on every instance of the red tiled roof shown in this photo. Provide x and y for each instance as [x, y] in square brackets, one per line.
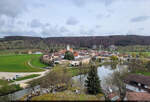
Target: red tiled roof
[76, 53]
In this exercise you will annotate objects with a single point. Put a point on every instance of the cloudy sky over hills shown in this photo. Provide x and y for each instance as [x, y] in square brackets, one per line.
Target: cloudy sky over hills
[46, 18]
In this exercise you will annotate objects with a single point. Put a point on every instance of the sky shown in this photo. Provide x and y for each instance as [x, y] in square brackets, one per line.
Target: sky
[55, 18]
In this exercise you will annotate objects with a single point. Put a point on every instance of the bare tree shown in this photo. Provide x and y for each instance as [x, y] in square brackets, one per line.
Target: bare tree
[54, 78]
[135, 64]
[116, 80]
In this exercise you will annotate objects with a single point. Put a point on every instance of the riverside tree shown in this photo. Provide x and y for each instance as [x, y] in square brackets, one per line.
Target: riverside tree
[116, 79]
[93, 83]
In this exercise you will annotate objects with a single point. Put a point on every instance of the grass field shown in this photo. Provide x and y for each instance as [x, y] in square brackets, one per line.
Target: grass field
[143, 72]
[35, 61]
[148, 53]
[27, 77]
[19, 63]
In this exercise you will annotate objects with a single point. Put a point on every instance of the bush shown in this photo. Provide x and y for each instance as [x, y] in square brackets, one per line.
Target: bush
[7, 89]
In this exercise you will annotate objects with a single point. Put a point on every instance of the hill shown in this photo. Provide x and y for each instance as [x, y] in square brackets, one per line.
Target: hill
[26, 42]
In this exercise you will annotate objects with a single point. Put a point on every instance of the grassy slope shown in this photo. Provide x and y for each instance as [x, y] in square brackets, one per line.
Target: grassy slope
[27, 77]
[18, 63]
[3, 82]
[143, 72]
[66, 95]
[35, 61]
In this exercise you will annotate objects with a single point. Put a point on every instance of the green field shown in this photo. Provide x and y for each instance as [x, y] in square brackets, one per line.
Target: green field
[148, 53]
[143, 72]
[35, 61]
[27, 77]
[20, 63]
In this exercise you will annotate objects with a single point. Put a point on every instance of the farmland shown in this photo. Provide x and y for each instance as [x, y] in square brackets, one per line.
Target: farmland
[20, 63]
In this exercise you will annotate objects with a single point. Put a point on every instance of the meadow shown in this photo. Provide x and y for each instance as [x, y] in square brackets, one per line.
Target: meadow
[20, 63]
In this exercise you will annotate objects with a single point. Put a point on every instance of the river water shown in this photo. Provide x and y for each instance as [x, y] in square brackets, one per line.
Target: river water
[104, 72]
[19, 94]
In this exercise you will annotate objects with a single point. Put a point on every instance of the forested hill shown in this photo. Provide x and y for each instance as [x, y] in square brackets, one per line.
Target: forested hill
[21, 42]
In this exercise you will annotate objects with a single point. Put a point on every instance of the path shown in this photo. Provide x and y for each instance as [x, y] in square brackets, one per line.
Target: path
[27, 80]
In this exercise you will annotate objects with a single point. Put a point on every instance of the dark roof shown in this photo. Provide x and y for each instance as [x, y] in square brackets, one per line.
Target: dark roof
[138, 96]
[138, 78]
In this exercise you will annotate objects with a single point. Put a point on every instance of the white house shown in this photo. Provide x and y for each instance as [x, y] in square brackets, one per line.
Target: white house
[74, 63]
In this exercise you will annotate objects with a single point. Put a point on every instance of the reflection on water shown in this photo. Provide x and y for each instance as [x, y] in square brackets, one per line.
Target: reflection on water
[19, 94]
[104, 72]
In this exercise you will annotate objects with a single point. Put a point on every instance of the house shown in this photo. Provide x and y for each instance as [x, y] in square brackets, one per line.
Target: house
[104, 54]
[85, 60]
[38, 52]
[113, 97]
[131, 96]
[74, 63]
[58, 61]
[137, 83]
[112, 47]
[76, 54]
[30, 52]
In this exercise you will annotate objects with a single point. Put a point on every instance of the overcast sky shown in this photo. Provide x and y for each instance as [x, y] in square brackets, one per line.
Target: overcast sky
[49, 18]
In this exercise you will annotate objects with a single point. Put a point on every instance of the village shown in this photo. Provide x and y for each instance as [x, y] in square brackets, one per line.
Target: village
[137, 85]
[84, 56]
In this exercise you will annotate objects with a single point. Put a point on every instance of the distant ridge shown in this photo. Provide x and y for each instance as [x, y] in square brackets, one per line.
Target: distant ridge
[78, 41]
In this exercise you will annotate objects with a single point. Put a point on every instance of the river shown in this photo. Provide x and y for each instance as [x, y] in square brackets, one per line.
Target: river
[104, 72]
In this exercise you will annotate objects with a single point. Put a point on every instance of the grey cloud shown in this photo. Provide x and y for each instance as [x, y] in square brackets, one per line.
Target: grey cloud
[141, 29]
[54, 31]
[72, 21]
[99, 16]
[98, 26]
[2, 22]
[87, 32]
[108, 2]
[140, 18]
[47, 24]
[63, 29]
[17, 33]
[11, 8]
[81, 3]
[20, 22]
[35, 23]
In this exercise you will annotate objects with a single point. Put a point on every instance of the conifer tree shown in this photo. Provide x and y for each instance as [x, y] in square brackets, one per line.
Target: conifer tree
[93, 83]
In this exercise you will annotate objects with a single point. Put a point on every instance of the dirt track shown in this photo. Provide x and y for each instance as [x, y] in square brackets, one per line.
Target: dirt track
[8, 75]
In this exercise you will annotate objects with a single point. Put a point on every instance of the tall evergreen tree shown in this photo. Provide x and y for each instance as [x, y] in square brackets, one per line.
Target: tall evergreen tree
[93, 83]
